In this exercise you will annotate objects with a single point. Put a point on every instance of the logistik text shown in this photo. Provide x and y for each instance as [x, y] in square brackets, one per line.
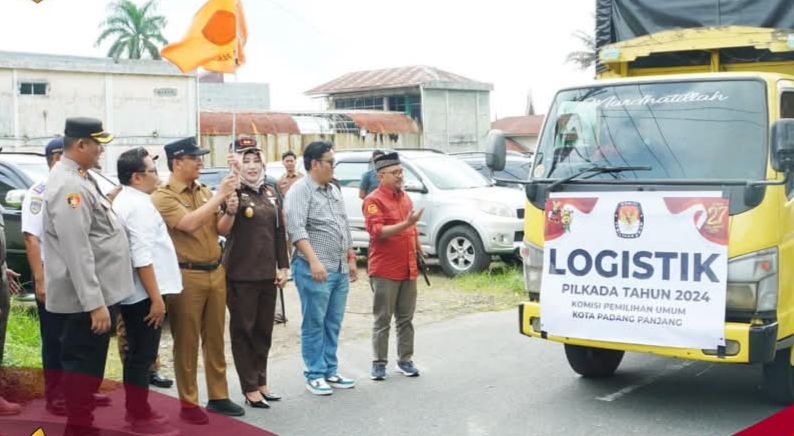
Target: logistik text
[640, 265]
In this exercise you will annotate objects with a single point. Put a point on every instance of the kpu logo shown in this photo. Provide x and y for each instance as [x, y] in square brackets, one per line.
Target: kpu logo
[629, 219]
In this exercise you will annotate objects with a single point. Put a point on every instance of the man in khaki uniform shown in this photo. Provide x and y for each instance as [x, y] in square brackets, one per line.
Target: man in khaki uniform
[195, 220]
[88, 268]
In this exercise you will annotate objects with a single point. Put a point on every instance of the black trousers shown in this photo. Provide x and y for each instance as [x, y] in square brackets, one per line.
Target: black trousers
[142, 344]
[51, 327]
[251, 311]
[83, 356]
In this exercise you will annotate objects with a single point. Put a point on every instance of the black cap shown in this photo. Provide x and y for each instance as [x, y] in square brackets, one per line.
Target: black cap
[244, 144]
[387, 160]
[184, 147]
[55, 146]
[82, 127]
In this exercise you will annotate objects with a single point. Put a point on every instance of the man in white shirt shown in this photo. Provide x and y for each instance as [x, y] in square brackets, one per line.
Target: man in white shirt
[156, 275]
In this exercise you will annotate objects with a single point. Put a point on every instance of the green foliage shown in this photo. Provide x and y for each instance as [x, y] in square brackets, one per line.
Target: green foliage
[134, 30]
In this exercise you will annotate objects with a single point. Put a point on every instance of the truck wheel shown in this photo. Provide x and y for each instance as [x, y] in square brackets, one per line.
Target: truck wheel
[779, 378]
[593, 362]
[460, 251]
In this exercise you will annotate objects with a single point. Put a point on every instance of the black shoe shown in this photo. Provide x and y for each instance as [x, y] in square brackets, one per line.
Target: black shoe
[194, 415]
[271, 396]
[101, 400]
[159, 380]
[261, 404]
[225, 407]
[56, 407]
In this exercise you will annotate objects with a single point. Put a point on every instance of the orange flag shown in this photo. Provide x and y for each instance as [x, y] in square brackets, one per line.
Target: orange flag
[210, 41]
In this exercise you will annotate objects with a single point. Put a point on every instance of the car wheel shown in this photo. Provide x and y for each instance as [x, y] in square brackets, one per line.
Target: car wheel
[460, 252]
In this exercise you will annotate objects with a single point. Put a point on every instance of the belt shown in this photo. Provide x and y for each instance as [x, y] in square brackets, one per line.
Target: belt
[212, 266]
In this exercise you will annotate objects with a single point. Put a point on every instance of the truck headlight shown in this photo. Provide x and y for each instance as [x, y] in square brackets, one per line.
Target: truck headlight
[494, 208]
[533, 267]
[752, 281]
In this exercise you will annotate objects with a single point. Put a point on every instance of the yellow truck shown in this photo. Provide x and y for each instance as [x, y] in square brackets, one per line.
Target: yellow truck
[660, 205]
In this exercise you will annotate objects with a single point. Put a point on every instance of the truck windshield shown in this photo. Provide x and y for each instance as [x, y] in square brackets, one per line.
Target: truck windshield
[682, 130]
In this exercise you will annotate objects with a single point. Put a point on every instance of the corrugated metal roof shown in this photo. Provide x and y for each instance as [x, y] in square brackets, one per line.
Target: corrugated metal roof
[215, 123]
[384, 122]
[251, 123]
[523, 125]
[388, 78]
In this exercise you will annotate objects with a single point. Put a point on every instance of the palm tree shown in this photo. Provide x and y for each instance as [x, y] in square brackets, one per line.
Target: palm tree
[137, 30]
[587, 57]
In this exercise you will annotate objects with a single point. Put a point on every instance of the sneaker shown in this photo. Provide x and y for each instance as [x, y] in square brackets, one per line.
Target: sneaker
[194, 415]
[378, 371]
[318, 386]
[408, 369]
[152, 427]
[8, 408]
[225, 407]
[339, 382]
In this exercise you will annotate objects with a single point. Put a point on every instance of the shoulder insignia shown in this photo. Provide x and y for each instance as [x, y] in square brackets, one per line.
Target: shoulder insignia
[35, 206]
[73, 200]
[39, 189]
[372, 209]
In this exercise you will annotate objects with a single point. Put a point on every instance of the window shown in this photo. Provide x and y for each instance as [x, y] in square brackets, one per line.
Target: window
[33, 88]
[349, 173]
[787, 111]
[359, 103]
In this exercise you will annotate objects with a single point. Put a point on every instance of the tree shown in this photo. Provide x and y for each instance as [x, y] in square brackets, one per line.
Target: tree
[135, 30]
[587, 57]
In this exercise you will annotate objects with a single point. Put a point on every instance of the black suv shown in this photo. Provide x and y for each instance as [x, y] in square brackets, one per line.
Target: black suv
[517, 166]
[18, 172]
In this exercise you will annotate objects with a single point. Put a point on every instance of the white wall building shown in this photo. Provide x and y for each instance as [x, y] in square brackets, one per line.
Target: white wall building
[142, 102]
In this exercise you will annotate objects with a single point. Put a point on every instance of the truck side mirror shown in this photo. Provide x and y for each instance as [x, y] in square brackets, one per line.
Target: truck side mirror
[495, 150]
[783, 145]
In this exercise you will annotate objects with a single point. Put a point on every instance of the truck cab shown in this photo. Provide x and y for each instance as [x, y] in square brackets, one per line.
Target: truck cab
[660, 212]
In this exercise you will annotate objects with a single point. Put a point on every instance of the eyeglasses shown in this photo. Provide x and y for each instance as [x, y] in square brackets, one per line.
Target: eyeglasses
[152, 171]
[395, 173]
[331, 162]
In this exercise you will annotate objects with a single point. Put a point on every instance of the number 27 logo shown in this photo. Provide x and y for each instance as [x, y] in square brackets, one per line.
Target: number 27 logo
[716, 214]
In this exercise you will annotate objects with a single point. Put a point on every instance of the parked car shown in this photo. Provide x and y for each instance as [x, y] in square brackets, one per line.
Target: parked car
[18, 172]
[467, 219]
[212, 177]
[517, 167]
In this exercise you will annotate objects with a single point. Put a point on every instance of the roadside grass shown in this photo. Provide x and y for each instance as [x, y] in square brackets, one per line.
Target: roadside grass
[505, 284]
[21, 375]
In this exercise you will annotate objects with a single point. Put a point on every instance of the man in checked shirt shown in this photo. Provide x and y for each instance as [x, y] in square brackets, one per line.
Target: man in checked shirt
[323, 265]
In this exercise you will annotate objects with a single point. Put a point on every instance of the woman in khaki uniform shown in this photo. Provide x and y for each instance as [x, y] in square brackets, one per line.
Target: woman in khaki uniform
[256, 264]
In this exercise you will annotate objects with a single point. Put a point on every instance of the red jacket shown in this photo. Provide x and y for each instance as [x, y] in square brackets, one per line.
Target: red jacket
[394, 257]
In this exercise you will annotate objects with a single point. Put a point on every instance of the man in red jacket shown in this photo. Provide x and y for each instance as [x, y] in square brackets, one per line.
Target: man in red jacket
[391, 224]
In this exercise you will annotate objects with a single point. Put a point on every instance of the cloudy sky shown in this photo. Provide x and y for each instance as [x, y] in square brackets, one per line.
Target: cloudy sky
[295, 45]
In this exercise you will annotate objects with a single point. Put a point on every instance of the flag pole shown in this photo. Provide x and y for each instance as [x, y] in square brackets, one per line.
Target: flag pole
[236, 62]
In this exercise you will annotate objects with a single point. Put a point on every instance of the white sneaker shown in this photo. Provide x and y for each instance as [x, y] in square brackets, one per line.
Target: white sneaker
[318, 386]
[339, 382]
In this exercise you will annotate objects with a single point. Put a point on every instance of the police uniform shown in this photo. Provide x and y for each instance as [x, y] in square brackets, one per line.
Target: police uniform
[255, 248]
[199, 312]
[87, 267]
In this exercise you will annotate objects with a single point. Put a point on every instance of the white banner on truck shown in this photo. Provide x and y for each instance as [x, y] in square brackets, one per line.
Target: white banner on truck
[636, 267]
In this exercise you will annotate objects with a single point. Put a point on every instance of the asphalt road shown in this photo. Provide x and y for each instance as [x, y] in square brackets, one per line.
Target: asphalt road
[481, 377]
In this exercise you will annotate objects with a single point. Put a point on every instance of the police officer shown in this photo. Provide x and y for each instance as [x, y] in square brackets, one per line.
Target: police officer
[88, 267]
[195, 220]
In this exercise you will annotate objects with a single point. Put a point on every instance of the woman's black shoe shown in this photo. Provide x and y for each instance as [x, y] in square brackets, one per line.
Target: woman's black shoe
[261, 404]
[270, 396]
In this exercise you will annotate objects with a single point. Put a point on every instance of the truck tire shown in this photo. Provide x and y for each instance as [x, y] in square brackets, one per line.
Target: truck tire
[779, 378]
[460, 251]
[593, 362]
